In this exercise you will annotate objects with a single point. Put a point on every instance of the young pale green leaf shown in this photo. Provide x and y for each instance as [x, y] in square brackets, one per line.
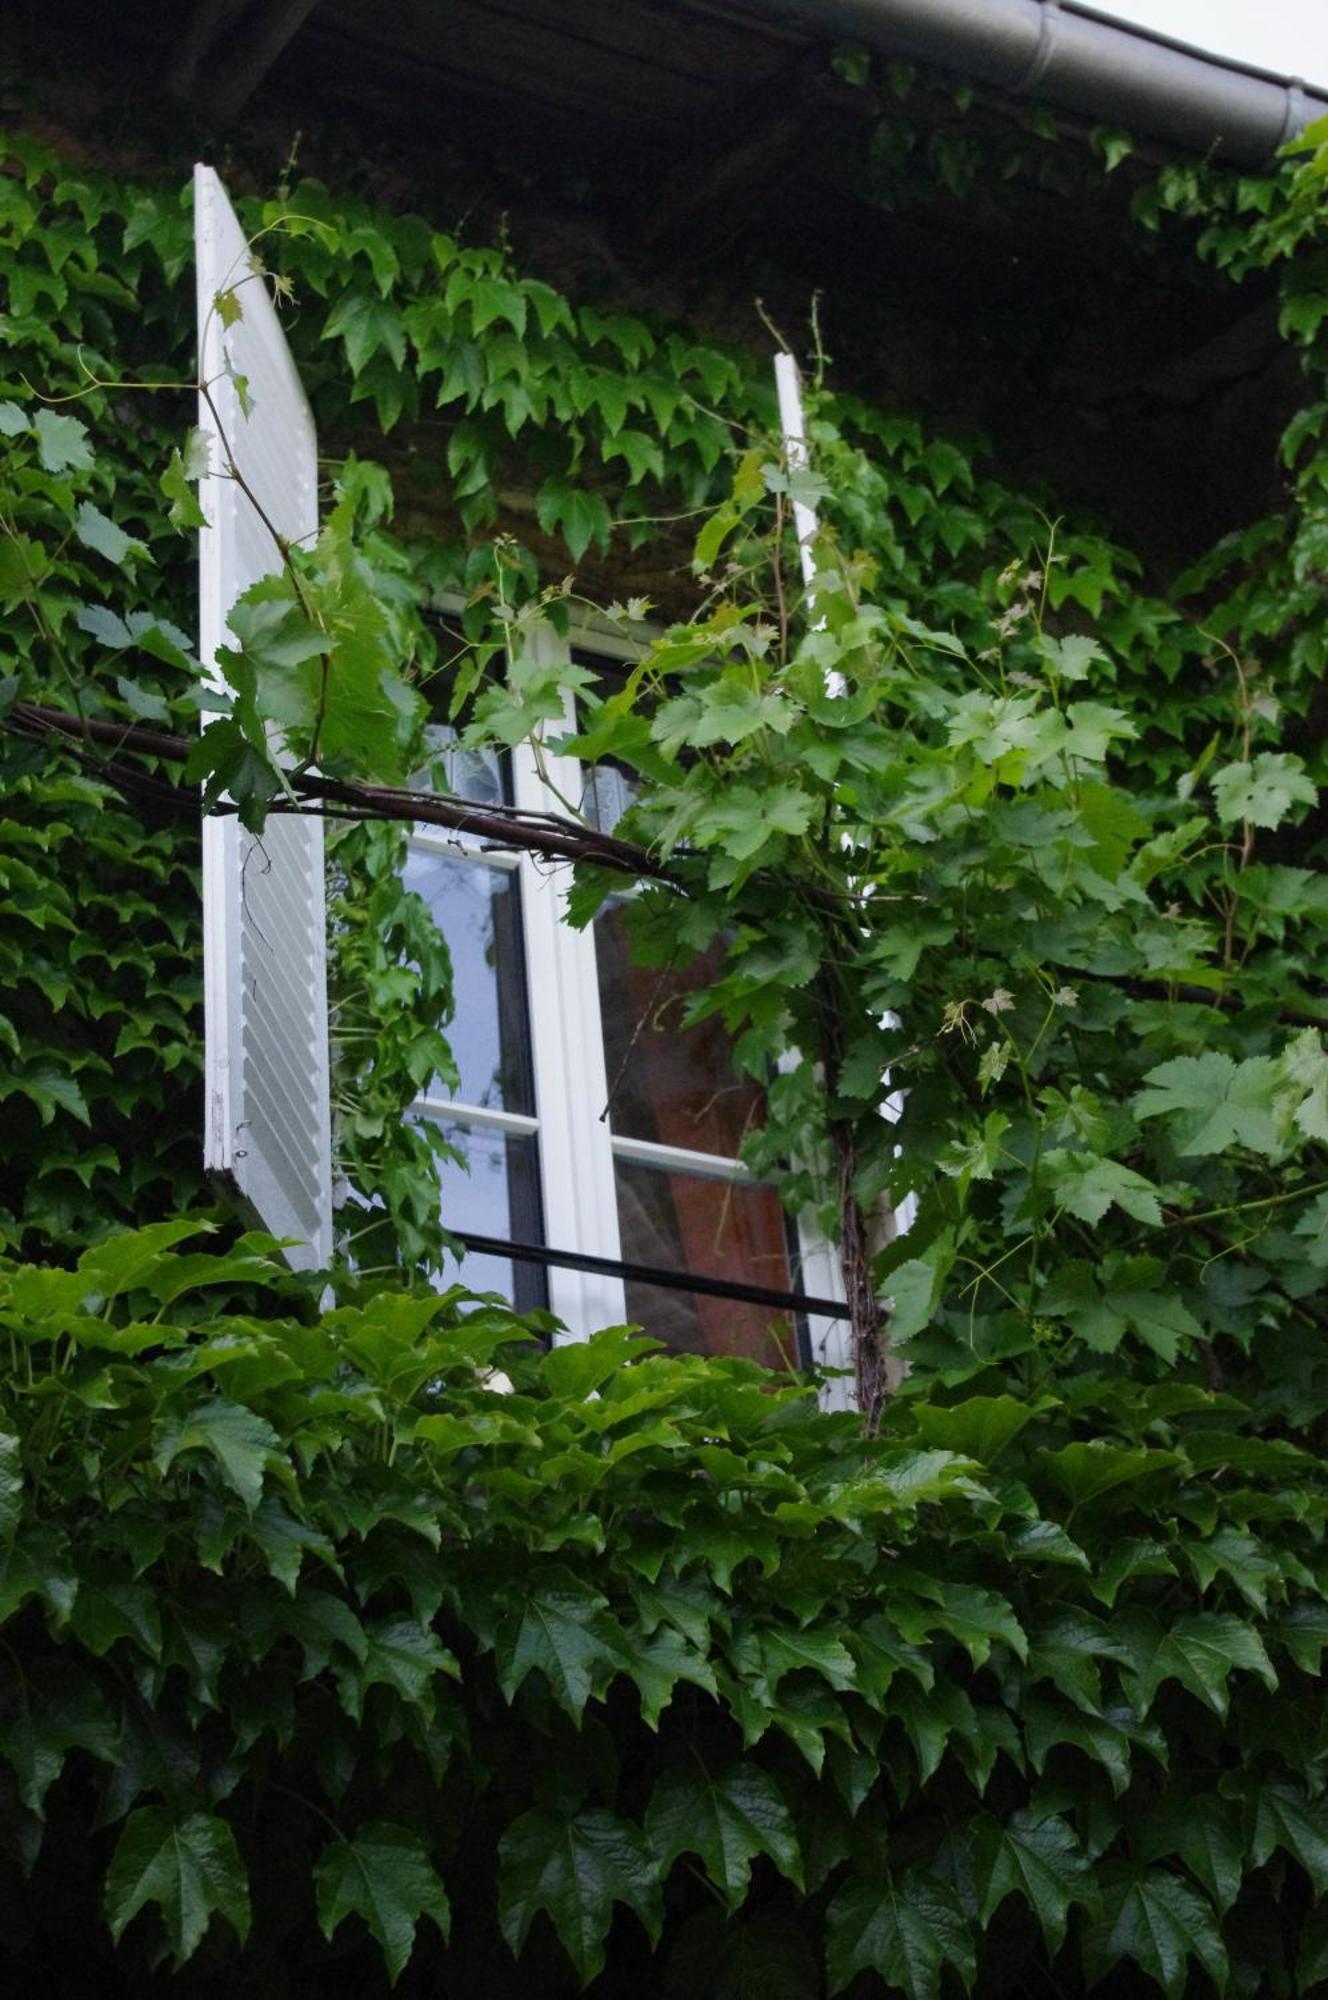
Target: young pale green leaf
[727, 1821]
[97, 531]
[1087, 1186]
[384, 1875]
[62, 442]
[1217, 1103]
[915, 1289]
[576, 1869]
[179, 485]
[1264, 792]
[191, 1869]
[905, 1932]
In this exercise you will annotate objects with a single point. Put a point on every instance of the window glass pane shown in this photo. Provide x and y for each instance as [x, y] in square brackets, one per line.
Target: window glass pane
[713, 1229]
[666, 1082]
[498, 1196]
[478, 910]
[608, 791]
[482, 776]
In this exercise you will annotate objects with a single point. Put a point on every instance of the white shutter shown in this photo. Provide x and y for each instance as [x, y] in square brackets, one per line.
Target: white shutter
[788, 387]
[264, 915]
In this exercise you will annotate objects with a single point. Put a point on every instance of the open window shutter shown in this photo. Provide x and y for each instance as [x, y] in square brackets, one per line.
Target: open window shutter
[264, 917]
[788, 386]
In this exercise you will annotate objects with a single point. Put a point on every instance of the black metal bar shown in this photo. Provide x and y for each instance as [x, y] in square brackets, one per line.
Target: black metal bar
[646, 1274]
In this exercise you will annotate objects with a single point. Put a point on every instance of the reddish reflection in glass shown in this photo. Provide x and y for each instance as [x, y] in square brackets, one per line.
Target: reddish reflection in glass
[667, 1082]
[716, 1229]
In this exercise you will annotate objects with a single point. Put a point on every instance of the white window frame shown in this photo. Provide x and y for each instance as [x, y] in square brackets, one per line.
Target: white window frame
[576, 1145]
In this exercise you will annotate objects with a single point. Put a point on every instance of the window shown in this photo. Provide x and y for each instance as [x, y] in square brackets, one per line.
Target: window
[593, 1127]
[593, 1122]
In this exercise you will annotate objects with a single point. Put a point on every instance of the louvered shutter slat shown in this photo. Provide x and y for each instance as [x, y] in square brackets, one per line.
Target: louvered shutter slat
[264, 919]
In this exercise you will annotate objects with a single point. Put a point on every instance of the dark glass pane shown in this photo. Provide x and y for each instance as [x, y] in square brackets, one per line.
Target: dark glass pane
[498, 1196]
[478, 911]
[666, 1082]
[713, 1229]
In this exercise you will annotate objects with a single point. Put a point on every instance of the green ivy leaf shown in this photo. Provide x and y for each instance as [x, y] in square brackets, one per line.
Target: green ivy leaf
[384, 1875]
[11, 1484]
[1200, 1650]
[1038, 1859]
[576, 1869]
[581, 517]
[554, 1629]
[241, 1443]
[1207, 1835]
[1161, 1923]
[366, 323]
[905, 1932]
[980, 1427]
[1087, 1472]
[111, 1608]
[1284, 1817]
[190, 1869]
[727, 1821]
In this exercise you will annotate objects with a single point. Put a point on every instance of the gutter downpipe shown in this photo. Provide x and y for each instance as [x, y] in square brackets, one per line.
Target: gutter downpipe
[1075, 59]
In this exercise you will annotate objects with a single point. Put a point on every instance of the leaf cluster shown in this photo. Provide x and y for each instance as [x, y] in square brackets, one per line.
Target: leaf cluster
[349, 1651]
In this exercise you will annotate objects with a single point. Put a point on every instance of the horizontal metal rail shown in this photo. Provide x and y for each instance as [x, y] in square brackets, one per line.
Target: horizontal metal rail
[647, 1274]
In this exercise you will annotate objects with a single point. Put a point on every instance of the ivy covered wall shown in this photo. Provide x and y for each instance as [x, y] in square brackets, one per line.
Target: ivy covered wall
[319, 1652]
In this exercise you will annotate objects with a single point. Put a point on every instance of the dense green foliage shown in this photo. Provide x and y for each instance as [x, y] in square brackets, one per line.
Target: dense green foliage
[1023, 1688]
[311, 1629]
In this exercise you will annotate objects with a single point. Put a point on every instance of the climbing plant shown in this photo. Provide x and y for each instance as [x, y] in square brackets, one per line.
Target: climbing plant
[1016, 1681]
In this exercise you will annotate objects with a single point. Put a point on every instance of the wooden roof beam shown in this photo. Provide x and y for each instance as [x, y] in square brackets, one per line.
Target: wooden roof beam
[732, 158]
[246, 43]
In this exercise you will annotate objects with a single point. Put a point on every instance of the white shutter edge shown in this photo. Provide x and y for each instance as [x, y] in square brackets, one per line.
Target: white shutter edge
[227, 849]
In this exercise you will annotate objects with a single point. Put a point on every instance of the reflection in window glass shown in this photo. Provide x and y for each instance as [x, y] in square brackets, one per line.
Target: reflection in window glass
[714, 1229]
[482, 776]
[672, 1084]
[478, 911]
[498, 1196]
[606, 795]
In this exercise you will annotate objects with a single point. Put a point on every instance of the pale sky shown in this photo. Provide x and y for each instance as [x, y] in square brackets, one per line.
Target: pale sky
[1290, 36]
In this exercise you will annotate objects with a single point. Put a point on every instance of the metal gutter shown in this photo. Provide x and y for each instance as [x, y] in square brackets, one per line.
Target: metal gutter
[1078, 60]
